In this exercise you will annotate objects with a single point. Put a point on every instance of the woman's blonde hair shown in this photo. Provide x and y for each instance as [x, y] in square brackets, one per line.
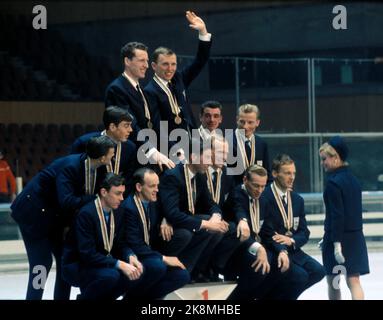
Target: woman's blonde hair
[330, 151]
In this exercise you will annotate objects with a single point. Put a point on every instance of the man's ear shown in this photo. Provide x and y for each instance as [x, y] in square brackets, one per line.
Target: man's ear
[112, 126]
[138, 187]
[103, 192]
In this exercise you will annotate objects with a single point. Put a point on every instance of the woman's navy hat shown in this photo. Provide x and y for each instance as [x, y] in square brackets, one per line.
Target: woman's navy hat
[340, 146]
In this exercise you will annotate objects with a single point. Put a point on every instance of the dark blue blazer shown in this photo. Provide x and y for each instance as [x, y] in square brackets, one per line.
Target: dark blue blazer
[121, 93]
[36, 208]
[180, 82]
[85, 244]
[261, 154]
[174, 203]
[70, 184]
[343, 200]
[300, 231]
[135, 228]
[128, 163]
[237, 207]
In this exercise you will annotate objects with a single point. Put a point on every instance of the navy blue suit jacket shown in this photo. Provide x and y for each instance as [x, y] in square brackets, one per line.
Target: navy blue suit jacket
[121, 93]
[85, 244]
[343, 200]
[135, 228]
[300, 231]
[174, 203]
[261, 154]
[128, 161]
[70, 184]
[36, 208]
[180, 82]
[52, 197]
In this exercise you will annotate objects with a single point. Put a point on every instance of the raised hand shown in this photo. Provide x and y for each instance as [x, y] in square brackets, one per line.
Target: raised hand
[196, 22]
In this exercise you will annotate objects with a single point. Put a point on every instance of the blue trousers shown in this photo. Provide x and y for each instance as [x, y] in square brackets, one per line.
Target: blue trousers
[304, 272]
[40, 253]
[105, 283]
[250, 284]
[158, 280]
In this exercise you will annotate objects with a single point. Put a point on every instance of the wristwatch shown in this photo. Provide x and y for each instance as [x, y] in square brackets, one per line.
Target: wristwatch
[244, 219]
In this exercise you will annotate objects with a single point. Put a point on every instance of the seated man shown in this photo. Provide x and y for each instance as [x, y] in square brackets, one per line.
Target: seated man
[142, 220]
[251, 262]
[96, 256]
[118, 127]
[195, 218]
[218, 181]
[287, 230]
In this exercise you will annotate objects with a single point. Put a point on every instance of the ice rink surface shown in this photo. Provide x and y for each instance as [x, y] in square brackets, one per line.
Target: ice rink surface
[13, 285]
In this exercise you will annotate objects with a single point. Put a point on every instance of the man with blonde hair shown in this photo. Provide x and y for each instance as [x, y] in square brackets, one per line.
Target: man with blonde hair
[247, 147]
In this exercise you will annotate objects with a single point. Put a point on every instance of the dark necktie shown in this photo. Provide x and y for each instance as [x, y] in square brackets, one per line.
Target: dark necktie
[194, 191]
[215, 177]
[171, 88]
[284, 203]
[147, 213]
[107, 220]
[139, 90]
[248, 150]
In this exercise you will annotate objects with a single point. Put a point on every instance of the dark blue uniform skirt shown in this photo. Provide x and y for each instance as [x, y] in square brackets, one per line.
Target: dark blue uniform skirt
[354, 250]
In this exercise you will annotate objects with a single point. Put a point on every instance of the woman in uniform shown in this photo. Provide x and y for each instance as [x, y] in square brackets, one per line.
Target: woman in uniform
[344, 247]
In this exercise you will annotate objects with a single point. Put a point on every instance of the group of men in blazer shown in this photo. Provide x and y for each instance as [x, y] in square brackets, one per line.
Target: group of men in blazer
[142, 230]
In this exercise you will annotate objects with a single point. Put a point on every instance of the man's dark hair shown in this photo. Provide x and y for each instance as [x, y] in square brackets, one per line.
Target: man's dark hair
[115, 115]
[161, 50]
[99, 146]
[128, 49]
[139, 175]
[112, 180]
[210, 104]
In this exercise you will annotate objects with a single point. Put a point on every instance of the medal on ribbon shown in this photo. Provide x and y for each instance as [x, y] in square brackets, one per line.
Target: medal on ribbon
[286, 216]
[108, 242]
[141, 211]
[242, 150]
[216, 194]
[172, 100]
[254, 215]
[90, 177]
[189, 190]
